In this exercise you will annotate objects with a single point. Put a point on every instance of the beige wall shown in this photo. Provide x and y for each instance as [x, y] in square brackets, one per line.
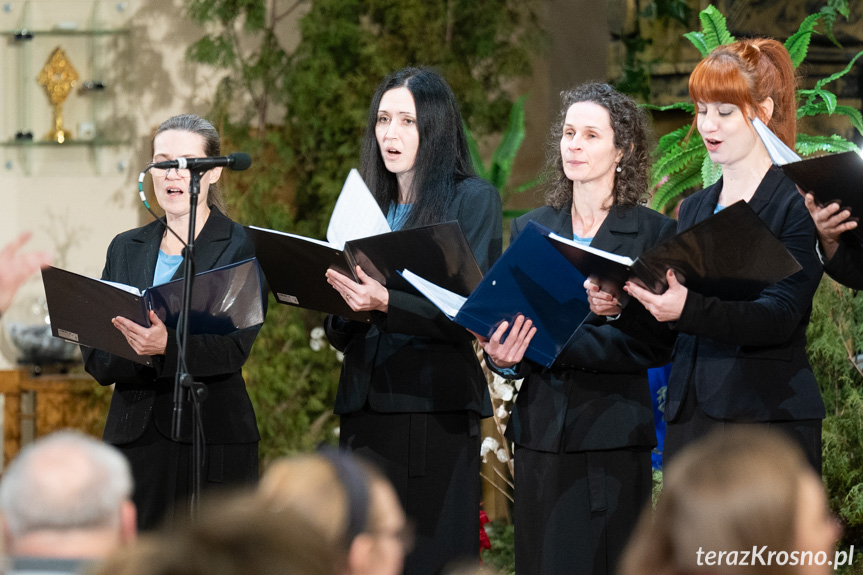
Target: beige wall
[76, 199]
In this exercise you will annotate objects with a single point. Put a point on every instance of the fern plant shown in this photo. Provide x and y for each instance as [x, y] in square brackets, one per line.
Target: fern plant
[682, 163]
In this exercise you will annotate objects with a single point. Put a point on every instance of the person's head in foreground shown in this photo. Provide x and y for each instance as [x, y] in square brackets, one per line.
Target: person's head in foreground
[237, 534]
[729, 494]
[349, 502]
[67, 495]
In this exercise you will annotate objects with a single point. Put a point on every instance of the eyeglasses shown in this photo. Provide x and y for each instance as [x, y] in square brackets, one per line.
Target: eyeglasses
[162, 172]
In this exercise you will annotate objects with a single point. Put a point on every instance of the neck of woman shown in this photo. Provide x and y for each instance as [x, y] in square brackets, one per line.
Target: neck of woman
[171, 245]
[405, 182]
[739, 181]
[590, 206]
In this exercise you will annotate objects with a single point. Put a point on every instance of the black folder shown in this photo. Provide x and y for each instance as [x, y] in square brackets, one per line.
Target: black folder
[531, 278]
[81, 308]
[731, 255]
[832, 178]
[295, 266]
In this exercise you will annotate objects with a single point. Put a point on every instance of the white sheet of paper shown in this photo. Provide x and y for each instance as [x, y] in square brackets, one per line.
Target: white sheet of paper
[127, 288]
[607, 255]
[448, 302]
[779, 152]
[313, 240]
[356, 215]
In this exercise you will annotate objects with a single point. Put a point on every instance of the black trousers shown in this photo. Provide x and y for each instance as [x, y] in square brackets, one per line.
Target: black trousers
[162, 471]
[574, 512]
[692, 424]
[432, 460]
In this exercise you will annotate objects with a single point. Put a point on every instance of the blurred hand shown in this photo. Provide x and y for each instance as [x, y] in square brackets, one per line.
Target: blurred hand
[16, 267]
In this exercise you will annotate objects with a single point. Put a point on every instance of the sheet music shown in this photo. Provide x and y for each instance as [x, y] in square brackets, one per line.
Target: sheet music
[448, 302]
[779, 152]
[304, 238]
[127, 288]
[603, 254]
[356, 215]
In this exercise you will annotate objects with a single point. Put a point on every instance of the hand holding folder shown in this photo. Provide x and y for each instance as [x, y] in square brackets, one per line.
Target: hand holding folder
[531, 278]
[296, 266]
[832, 178]
[81, 308]
[731, 255]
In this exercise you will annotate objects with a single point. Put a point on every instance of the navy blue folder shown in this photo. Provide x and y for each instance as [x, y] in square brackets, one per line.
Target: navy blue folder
[534, 279]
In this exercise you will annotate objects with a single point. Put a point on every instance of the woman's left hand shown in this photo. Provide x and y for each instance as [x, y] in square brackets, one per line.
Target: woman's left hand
[368, 295]
[144, 340]
[665, 307]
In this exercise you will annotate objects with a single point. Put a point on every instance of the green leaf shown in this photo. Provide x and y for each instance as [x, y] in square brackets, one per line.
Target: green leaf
[697, 39]
[808, 145]
[798, 44]
[710, 171]
[503, 157]
[714, 27]
[821, 83]
[475, 158]
[675, 186]
[678, 160]
[685, 106]
[671, 139]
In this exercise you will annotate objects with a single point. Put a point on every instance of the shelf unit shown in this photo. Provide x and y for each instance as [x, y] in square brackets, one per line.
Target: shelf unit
[87, 38]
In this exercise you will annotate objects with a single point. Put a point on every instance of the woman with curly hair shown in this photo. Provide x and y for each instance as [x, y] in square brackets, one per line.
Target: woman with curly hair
[583, 428]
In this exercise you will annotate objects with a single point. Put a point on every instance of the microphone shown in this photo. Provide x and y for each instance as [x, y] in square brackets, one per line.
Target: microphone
[237, 161]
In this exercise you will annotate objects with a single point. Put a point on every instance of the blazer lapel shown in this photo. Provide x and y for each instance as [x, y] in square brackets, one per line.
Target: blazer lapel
[141, 255]
[618, 231]
[766, 189]
[211, 243]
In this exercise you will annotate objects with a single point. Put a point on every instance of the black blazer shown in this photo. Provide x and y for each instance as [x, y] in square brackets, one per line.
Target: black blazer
[596, 395]
[217, 361]
[746, 360]
[846, 266]
[413, 358]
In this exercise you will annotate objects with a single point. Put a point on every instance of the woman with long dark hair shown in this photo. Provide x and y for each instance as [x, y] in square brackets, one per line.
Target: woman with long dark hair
[412, 391]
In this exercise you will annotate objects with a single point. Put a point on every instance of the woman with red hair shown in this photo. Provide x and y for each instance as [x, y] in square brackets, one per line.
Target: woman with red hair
[744, 361]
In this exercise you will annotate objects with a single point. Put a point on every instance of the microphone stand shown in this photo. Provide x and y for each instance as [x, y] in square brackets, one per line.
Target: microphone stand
[184, 385]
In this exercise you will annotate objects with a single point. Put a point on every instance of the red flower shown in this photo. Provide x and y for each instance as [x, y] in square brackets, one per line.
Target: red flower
[484, 541]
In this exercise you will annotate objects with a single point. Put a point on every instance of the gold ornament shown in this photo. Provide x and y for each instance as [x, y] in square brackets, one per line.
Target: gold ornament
[58, 77]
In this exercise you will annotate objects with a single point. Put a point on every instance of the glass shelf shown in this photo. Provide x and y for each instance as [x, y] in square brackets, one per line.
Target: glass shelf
[66, 144]
[61, 32]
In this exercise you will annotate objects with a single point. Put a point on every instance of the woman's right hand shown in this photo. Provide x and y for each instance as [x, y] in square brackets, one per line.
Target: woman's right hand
[601, 303]
[831, 221]
[510, 351]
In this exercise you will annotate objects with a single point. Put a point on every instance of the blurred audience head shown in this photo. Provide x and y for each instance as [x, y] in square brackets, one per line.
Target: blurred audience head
[353, 506]
[238, 534]
[731, 493]
[67, 495]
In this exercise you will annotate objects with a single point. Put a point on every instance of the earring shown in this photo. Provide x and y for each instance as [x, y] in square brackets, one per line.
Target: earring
[618, 169]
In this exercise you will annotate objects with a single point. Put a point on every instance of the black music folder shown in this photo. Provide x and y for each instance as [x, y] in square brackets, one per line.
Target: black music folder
[731, 255]
[81, 308]
[830, 178]
[531, 278]
[295, 266]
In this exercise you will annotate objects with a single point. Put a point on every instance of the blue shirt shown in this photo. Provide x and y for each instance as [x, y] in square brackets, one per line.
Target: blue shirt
[166, 267]
[719, 207]
[397, 215]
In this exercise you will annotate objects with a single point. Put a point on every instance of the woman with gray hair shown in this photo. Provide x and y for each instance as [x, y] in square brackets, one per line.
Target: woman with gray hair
[139, 419]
